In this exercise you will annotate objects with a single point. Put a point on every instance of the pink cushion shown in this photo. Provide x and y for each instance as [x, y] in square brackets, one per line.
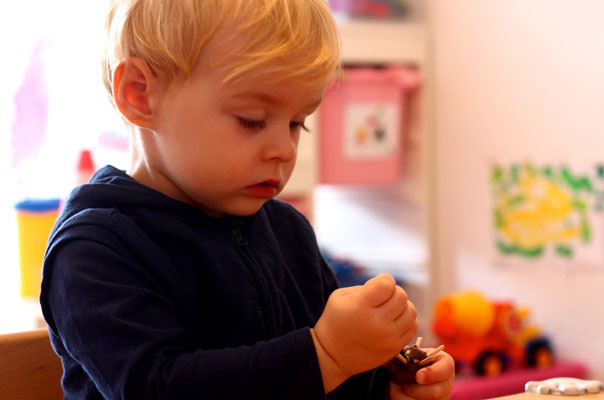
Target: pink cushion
[511, 382]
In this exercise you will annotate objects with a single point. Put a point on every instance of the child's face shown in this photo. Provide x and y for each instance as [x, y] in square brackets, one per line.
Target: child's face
[226, 149]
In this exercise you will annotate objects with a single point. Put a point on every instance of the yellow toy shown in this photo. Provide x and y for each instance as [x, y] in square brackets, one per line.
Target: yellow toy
[35, 219]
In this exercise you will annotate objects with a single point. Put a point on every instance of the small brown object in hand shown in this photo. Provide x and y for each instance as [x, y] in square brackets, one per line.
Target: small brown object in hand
[403, 372]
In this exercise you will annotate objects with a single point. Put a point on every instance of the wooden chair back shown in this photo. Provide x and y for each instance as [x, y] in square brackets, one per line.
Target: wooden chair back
[29, 367]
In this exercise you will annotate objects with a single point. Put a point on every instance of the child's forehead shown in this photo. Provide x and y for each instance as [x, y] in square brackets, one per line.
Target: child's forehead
[275, 93]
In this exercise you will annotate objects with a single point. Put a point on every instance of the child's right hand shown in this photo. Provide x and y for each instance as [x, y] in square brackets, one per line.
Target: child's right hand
[362, 327]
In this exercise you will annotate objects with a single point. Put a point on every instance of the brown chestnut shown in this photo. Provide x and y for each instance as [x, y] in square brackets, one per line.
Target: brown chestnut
[400, 372]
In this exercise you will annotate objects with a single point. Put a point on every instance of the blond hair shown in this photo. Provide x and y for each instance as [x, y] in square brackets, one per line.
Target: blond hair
[282, 39]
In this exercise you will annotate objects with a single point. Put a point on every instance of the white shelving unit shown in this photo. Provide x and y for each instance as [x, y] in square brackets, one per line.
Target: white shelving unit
[383, 42]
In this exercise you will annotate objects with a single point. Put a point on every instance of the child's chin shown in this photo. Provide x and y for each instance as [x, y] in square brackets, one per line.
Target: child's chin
[246, 211]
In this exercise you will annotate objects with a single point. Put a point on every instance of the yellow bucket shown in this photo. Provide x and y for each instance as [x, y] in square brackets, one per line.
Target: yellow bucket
[35, 219]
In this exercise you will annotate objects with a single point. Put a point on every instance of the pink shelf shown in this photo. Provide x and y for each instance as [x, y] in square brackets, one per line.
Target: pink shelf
[511, 382]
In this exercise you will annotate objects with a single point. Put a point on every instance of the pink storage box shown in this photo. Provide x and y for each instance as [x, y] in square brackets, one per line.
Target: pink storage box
[361, 125]
[369, 8]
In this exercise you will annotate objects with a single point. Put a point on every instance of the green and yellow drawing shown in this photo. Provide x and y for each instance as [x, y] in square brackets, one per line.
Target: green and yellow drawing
[540, 208]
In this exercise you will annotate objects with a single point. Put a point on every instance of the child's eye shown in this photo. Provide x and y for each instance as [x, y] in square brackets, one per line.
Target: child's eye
[295, 125]
[251, 124]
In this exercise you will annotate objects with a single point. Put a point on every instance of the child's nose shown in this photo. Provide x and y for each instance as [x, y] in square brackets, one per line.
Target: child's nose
[282, 145]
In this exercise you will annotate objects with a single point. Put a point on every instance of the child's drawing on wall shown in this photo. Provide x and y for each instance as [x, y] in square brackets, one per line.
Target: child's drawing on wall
[371, 130]
[541, 209]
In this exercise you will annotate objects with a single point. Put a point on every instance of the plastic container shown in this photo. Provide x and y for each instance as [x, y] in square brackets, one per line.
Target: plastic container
[362, 124]
[35, 219]
[369, 8]
[85, 167]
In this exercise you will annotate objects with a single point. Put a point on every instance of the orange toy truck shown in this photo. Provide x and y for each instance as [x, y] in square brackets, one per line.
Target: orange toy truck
[489, 336]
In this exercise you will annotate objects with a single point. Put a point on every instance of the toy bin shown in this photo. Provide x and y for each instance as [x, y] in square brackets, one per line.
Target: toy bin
[370, 8]
[35, 219]
[361, 122]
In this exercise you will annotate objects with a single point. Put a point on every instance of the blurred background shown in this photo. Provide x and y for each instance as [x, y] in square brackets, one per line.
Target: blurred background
[464, 152]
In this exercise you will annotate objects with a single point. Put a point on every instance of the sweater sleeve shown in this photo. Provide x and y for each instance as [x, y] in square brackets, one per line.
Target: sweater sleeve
[113, 320]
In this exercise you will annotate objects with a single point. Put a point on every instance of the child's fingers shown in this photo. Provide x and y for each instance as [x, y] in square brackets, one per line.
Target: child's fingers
[378, 290]
[437, 391]
[441, 370]
[406, 320]
[396, 305]
[435, 381]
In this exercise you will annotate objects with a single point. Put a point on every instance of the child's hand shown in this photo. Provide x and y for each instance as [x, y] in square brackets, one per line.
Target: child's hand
[435, 382]
[362, 327]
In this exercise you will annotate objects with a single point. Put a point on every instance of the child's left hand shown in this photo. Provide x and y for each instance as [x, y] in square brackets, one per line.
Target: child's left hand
[435, 382]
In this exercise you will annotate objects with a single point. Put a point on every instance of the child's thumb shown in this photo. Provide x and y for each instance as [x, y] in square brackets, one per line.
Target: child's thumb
[378, 290]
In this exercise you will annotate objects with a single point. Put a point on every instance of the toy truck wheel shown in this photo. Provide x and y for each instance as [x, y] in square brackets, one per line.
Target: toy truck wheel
[539, 354]
[490, 364]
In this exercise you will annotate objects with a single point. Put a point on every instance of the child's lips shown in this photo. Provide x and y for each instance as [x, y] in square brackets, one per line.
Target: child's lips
[272, 182]
[265, 190]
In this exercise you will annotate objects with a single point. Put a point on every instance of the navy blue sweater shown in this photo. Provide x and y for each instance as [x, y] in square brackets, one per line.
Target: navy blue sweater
[149, 298]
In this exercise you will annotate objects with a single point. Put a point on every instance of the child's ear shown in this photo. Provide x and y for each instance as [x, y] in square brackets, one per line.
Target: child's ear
[133, 82]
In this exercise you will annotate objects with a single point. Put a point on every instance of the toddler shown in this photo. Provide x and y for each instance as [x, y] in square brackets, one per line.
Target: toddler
[182, 277]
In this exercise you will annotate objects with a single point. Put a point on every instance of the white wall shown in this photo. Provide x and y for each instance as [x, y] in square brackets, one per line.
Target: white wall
[517, 81]
[70, 33]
